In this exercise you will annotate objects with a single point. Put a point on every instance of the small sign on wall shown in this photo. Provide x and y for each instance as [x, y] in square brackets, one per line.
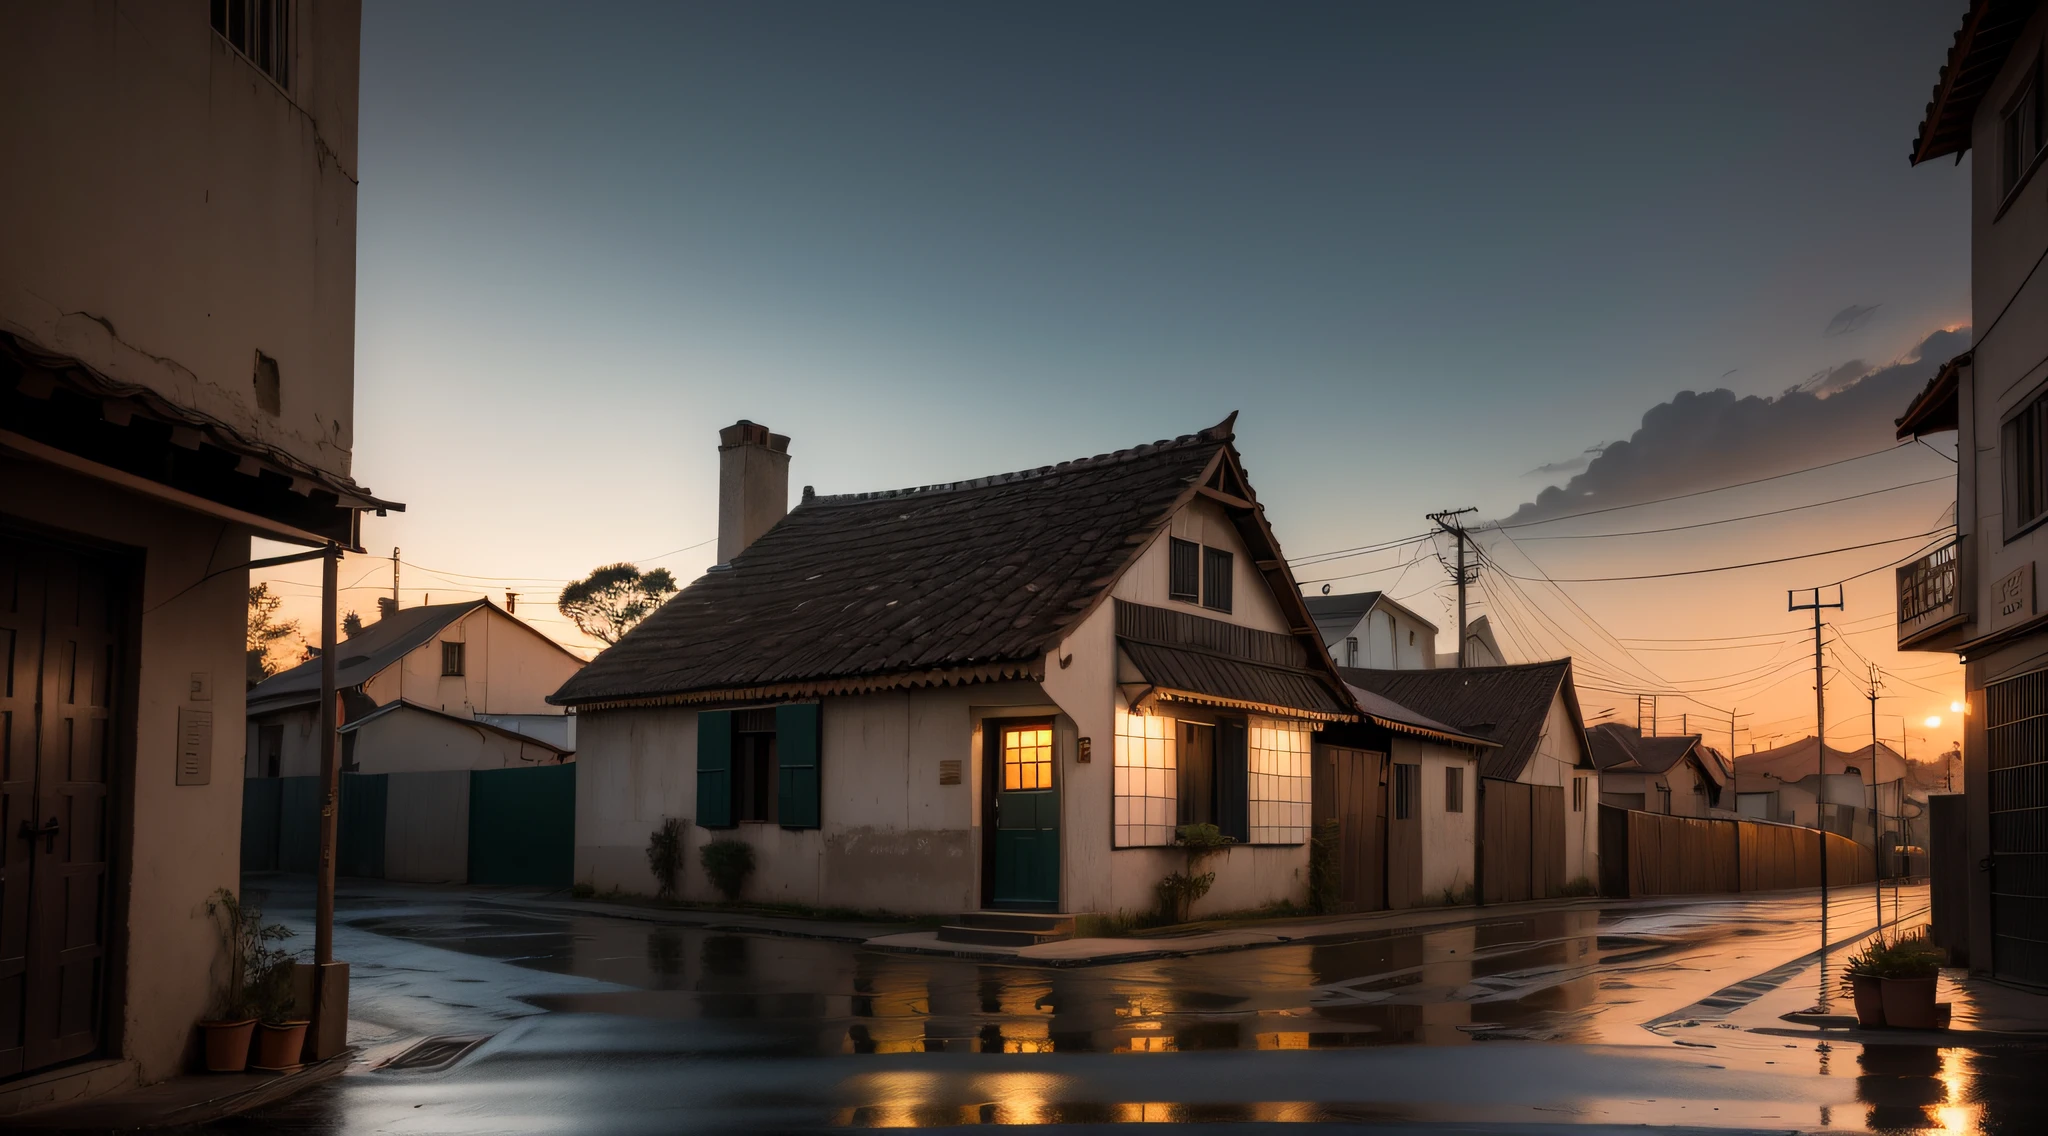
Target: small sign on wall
[949, 771]
[1083, 753]
[2012, 597]
[195, 746]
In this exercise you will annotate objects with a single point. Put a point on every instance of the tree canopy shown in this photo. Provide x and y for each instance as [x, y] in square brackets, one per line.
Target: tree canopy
[266, 632]
[611, 600]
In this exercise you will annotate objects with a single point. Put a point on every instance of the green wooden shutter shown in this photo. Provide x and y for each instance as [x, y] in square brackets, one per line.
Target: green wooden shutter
[796, 765]
[714, 768]
[1233, 780]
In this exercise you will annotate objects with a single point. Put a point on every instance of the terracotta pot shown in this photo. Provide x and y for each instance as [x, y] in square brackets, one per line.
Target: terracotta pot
[227, 1045]
[1909, 1003]
[278, 1047]
[1869, 993]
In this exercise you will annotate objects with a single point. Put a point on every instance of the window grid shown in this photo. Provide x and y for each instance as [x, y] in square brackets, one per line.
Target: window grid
[1027, 757]
[1216, 578]
[1278, 760]
[1146, 800]
[1184, 570]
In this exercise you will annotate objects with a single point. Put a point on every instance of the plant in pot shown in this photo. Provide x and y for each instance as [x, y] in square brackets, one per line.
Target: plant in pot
[245, 944]
[1910, 976]
[1865, 982]
[280, 1031]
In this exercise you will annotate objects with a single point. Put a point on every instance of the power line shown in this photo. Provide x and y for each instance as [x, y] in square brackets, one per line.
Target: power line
[1725, 567]
[1744, 517]
[1699, 492]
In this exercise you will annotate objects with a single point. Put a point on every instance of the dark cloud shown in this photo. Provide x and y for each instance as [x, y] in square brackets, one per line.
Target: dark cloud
[1849, 319]
[1836, 378]
[1698, 440]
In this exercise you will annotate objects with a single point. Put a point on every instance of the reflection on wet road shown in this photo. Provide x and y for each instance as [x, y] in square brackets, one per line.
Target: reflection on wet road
[1507, 1022]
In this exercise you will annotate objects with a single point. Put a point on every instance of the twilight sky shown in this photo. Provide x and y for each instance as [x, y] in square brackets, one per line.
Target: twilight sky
[1424, 254]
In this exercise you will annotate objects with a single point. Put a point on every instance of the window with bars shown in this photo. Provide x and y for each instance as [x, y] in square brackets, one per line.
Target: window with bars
[1454, 789]
[1184, 572]
[2024, 439]
[1216, 578]
[261, 30]
[452, 662]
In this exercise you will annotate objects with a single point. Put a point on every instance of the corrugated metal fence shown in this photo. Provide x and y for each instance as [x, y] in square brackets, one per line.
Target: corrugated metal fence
[486, 826]
[1645, 853]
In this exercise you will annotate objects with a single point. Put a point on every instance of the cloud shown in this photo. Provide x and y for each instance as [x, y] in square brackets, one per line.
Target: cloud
[1698, 440]
[1568, 465]
[1849, 319]
[1836, 378]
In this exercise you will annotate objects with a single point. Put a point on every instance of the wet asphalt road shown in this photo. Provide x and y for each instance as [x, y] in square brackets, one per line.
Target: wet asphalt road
[1636, 1015]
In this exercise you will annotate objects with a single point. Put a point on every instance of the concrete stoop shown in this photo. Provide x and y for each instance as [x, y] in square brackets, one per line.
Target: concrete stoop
[1008, 928]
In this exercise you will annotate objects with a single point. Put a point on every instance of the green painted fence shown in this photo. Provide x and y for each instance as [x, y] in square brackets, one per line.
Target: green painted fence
[522, 826]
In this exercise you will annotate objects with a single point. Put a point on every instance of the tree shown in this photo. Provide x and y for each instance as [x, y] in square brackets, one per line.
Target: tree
[351, 625]
[611, 600]
[266, 632]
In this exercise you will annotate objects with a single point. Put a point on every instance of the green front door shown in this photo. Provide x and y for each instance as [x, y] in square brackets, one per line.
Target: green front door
[1024, 865]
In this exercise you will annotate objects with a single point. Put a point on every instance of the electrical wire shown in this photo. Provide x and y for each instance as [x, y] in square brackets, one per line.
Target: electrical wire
[1746, 516]
[1727, 567]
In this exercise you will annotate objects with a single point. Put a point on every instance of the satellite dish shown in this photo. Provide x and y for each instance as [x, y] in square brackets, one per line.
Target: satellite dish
[1326, 589]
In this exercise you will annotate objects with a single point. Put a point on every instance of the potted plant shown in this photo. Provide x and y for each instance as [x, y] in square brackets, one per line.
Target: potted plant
[243, 936]
[1909, 981]
[280, 1032]
[1865, 980]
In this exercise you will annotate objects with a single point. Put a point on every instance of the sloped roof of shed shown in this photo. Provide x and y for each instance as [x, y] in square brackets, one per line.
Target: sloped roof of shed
[1505, 705]
[972, 579]
[1623, 749]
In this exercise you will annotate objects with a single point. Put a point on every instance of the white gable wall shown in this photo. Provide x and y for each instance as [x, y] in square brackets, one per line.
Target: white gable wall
[1558, 753]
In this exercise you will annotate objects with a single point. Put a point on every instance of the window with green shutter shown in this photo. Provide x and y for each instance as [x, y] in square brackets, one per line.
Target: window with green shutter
[714, 768]
[797, 742]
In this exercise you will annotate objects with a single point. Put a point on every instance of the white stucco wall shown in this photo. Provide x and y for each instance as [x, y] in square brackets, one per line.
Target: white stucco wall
[186, 212]
[1205, 523]
[508, 668]
[1557, 755]
[1447, 837]
[187, 838]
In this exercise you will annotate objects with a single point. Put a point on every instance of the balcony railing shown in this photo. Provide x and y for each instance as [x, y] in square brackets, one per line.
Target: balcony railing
[1928, 603]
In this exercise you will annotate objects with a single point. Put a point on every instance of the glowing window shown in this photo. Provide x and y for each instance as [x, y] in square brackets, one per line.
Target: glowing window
[1027, 757]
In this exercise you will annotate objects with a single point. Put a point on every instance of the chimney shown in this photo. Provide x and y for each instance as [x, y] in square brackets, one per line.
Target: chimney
[753, 485]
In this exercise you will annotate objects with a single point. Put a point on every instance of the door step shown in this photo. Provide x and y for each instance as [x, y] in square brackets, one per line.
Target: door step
[1008, 928]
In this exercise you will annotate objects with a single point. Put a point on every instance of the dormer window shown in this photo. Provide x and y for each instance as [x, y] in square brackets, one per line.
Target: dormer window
[451, 660]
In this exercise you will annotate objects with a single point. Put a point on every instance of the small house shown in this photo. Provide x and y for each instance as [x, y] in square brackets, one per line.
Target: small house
[1369, 629]
[1677, 775]
[1000, 693]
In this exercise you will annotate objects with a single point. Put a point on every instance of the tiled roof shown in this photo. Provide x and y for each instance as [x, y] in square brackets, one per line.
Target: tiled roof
[1391, 715]
[1506, 705]
[1623, 749]
[360, 657]
[1766, 769]
[969, 579]
[1979, 52]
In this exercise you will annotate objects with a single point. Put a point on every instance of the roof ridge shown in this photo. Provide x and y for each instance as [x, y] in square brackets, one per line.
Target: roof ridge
[1221, 432]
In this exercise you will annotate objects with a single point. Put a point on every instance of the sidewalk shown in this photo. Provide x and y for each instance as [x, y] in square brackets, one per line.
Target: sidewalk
[181, 1102]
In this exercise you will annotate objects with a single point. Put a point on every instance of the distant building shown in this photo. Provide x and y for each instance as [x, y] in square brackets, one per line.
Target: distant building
[999, 693]
[445, 686]
[1978, 596]
[1368, 629]
[1678, 775]
[1536, 786]
[177, 369]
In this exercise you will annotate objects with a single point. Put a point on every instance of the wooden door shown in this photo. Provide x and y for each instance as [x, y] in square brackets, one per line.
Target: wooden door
[1023, 817]
[1546, 840]
[1350, 787]
[1404, 836]
[1505, 857]
[62, 624]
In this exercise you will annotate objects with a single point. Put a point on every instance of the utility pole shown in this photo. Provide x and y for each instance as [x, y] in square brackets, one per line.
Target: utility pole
[1876, 839]
[394, 577]
[1731, 735]
[1447, 522]
[1820, 761]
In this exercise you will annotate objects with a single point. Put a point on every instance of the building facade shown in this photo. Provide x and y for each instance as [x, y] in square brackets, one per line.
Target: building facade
[1977, 596]
[177, 276]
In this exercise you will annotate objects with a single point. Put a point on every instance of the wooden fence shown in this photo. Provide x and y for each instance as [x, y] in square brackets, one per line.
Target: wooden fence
[1522, 847]
[1653, 854]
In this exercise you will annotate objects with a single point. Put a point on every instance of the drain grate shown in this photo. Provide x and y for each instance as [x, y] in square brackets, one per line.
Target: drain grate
[434, 1054]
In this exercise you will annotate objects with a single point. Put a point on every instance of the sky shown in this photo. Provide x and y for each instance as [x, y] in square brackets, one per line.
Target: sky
[1435, 259]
